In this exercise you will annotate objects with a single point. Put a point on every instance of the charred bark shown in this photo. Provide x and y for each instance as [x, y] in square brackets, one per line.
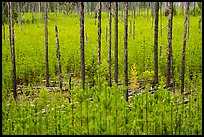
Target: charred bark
[116, 43]
[11, 32]
[126, 49]
[109, 42]
[46, 44]
[58, 57]
[99, 34]
[156, 44]
[184, 48]
[82, 44]
[169, 46]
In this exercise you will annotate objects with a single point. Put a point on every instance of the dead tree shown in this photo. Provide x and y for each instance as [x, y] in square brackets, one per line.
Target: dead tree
[156, 44]
[116, 43]
[58, 57]
[11, 32]
[125, 49]
[184, 48]
[109, 50]
[99, 34]
[169, 46]
[46, 44]
[82, 44]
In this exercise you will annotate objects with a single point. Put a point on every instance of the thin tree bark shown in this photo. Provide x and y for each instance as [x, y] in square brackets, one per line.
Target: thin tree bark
[156, 44]
[82, 44]
[169, 51]
[188, 27]
[99, 34]
[116, 43]
[109, 50]
[58, 57]
[126, 49]
[184, 48]
[46, 44]
[11, 32]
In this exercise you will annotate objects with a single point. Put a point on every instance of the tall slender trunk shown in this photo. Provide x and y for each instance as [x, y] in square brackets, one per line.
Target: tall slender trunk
[169, 48]
[126, 49]
[99, 34]
[82, 44]
[46, 44]
[184, 48]
[58, 57]
[116, 43]
[109, 50]
[12, 45]
[188, 27]
[156, 44]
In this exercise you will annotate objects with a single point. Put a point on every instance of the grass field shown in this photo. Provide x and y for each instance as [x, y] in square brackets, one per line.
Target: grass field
[108, 113]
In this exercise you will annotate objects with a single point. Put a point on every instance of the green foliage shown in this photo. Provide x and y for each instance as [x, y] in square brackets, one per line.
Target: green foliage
[108, 113]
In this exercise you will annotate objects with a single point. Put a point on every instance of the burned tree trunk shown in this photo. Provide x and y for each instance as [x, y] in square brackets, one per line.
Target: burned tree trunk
[169, 52]
[99, 34]
[11, 32]
[184, 48]
[82, 44]
[109, 50]
[116, 43]
[58, 57]
[46, 44]
[156, 44]
[126, 50]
